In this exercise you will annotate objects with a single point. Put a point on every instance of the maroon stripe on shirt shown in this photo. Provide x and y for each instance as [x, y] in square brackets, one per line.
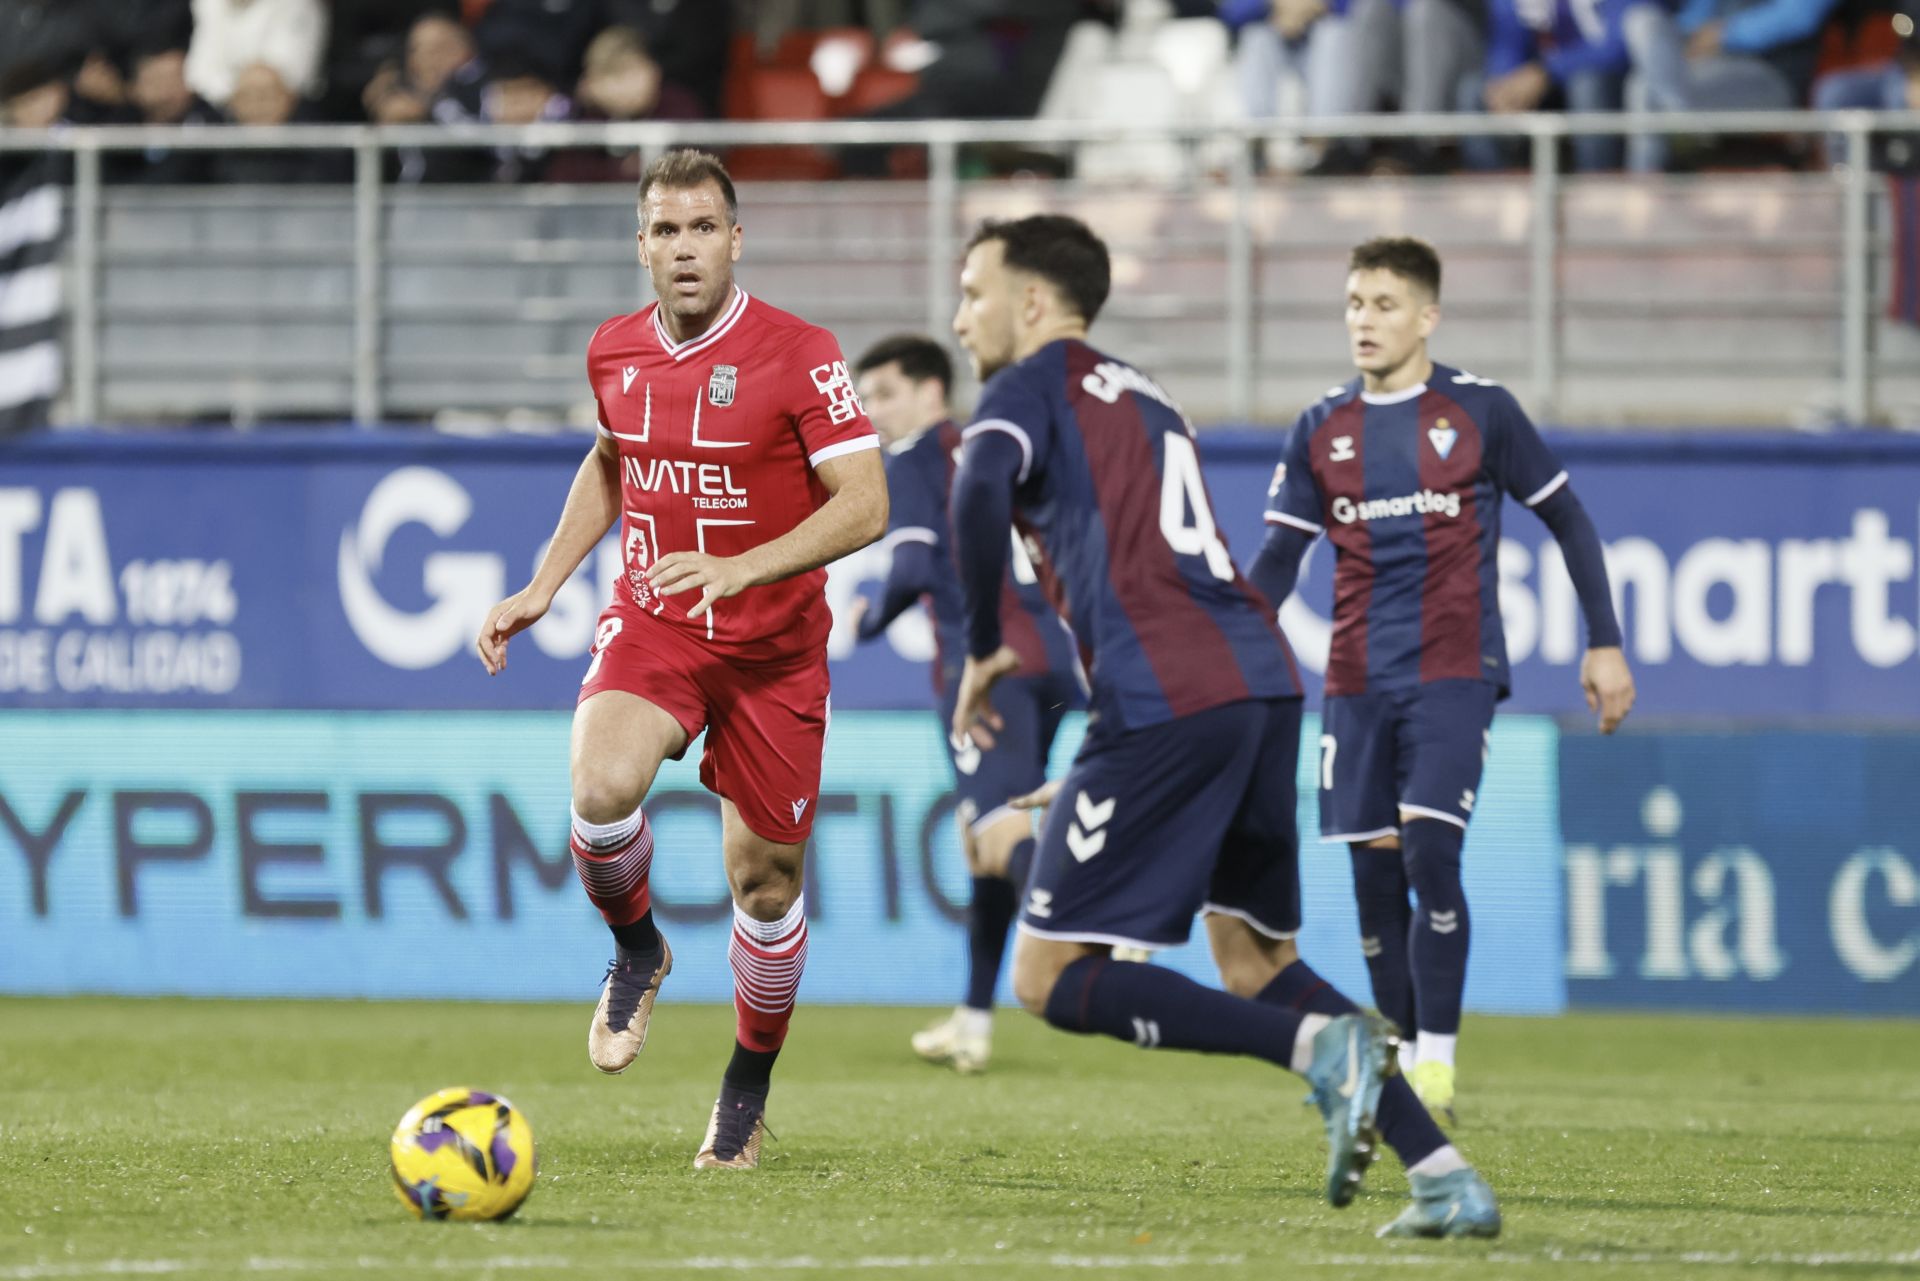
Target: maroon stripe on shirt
[1353, 546]
[1190, 657]
[1450, 596]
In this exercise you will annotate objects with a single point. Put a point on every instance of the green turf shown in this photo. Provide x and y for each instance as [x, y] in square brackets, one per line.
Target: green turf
[229, 1138]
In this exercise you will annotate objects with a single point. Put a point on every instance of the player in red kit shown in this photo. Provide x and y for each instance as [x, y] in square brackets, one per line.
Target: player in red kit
[736, 455]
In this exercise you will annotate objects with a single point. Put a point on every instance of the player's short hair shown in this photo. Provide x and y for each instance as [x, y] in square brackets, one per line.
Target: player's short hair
[919, 358]
[685, 168]
[1407, 257]
[1060, 250]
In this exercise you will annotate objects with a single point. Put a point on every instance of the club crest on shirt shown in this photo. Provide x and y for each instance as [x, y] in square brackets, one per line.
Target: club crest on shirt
[1442, 435]
[721, 384]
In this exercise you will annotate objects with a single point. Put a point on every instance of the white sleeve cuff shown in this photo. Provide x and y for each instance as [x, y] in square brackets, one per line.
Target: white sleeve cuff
[1281, 518]
[1546, 491]
[909, 534]
[845, 447]
[1012, 429]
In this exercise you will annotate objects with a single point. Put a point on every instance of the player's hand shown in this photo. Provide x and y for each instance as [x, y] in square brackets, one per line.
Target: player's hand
[1039, 798]
[1705, 42]
[715, 577]
[1609, 686]
[973, 714]
[505, 621]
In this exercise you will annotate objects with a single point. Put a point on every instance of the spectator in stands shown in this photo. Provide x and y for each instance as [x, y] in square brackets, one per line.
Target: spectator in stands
[262, 96]
[441, 78]
[548, 38]
[515, 92]
[363, 38]
[1560, 55]
[1886, 86]
[979, 59]
[162, 97]
[233, 36]
[1719, 55]
[621, 81]
[688, 38]
[1422, 53]
[1307, 39]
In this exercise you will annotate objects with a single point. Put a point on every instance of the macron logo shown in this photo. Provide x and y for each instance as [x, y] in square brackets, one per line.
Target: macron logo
[627, 376]
[799, 808]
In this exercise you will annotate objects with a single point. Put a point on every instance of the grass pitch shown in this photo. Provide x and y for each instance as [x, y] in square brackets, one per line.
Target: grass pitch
[212, 1139]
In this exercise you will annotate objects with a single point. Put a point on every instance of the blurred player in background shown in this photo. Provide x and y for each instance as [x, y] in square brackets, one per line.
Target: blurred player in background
[904, 384]
[1403, 469]
[734, 445]
[1181, 800]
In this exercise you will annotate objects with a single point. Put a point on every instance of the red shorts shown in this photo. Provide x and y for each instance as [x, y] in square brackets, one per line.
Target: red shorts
[766, 723]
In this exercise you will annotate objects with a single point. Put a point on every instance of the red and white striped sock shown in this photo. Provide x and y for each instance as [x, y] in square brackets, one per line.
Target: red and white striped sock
[767, 957]
[612, 860]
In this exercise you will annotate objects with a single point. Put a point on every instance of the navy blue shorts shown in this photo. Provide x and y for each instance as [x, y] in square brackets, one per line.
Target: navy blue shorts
[1032, 707]
[1155, 825]
[1419, 749]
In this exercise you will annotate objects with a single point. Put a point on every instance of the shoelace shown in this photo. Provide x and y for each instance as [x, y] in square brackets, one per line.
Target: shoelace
[629, 980]
[736, 1128]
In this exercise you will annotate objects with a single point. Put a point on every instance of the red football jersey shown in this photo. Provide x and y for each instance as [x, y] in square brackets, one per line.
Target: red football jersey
[718, 440]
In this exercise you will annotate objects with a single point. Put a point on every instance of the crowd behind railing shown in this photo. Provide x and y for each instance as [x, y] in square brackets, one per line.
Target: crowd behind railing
[272, 62]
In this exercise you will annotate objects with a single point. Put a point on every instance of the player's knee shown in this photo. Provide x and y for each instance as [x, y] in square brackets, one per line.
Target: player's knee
[605, 795]
[768, 893]
[1035, 972]
[1431, 856]
[994, 847]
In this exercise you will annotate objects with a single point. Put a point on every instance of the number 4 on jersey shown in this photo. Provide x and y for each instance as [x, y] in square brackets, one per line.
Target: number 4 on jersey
[1181, 492]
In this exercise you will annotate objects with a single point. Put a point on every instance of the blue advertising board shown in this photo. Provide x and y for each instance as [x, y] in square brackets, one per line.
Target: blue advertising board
[406, 854]
[1773, 871]
[334, 569]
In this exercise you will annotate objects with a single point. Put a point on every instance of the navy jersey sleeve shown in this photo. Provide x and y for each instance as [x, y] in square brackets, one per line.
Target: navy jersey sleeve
[916, 495]
[1013, 404]
[1293, 496]
[1520, 461]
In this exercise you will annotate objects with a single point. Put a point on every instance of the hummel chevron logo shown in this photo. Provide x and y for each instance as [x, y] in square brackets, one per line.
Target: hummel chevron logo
[1444, 922]
[1093, 816]
[1369, 947]
[799, 808]
[1040, 903]
[1146, 1033]
[627, 376]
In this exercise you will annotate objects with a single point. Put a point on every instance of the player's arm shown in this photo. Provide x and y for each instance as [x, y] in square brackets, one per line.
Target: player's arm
[917, 512]
[593, 504]
[854, 515]
[909, 577]
[1292, 516]
[1532, 474]
[990, 468]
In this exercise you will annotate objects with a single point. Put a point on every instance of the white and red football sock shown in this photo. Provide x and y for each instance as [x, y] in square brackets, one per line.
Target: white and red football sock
[612, 860]
[767, 957]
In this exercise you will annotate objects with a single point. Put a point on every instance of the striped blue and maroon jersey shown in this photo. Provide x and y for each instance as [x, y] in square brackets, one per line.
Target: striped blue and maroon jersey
[1110, 492]
[1407, 487]
[919, 480]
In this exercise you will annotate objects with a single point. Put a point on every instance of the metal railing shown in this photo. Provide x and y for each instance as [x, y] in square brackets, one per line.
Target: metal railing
[942, 141]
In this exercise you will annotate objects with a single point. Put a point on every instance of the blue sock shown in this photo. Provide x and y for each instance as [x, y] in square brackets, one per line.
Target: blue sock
[1404, 1122]
[1020, 866]
[1299, 989]
[1380, 892]
[1437, 943]
[1158, 1008]
[989, 916]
